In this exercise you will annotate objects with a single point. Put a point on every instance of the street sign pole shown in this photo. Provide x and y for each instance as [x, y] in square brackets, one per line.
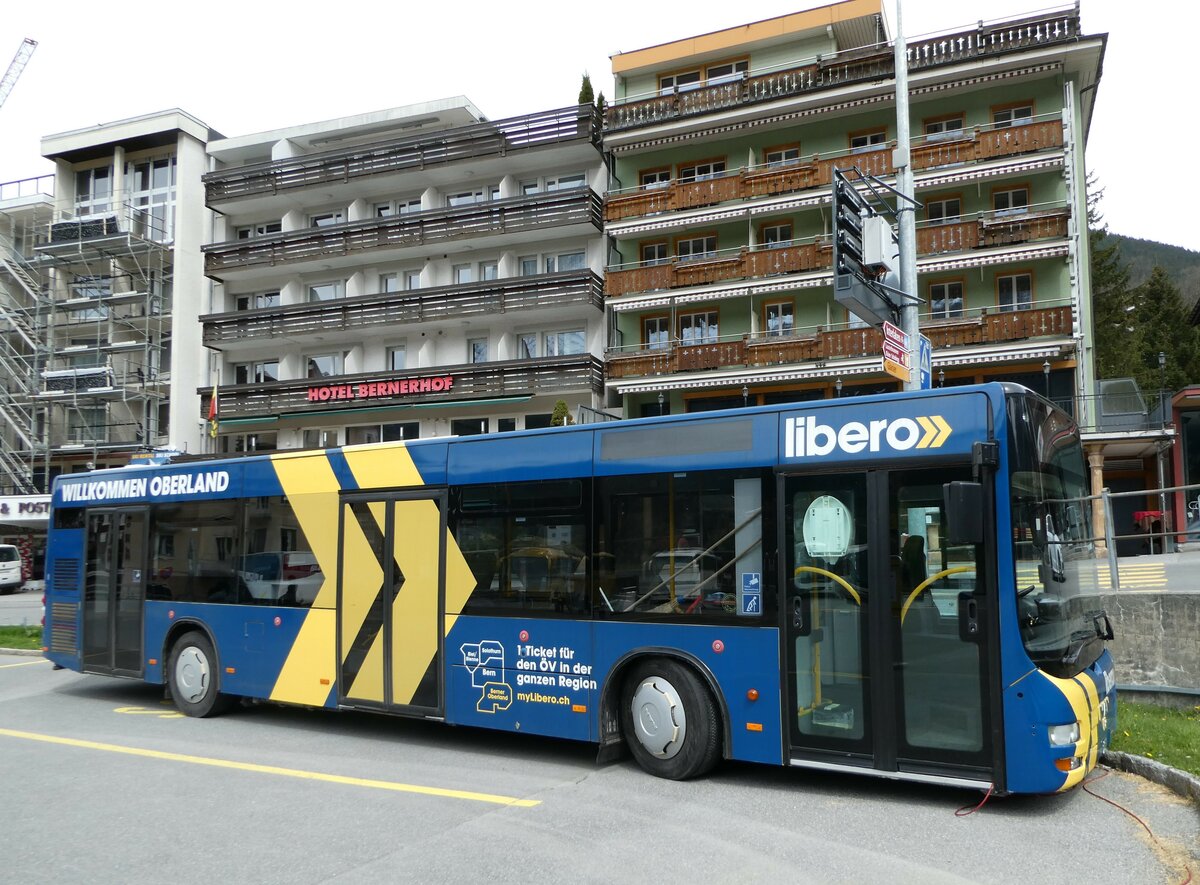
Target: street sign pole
[904, 184]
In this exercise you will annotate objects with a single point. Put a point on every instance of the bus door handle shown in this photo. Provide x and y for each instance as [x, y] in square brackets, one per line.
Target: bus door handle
[969, 628]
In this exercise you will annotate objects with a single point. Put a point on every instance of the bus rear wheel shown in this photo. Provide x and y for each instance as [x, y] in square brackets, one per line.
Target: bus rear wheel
[669, 719]
[193, 678]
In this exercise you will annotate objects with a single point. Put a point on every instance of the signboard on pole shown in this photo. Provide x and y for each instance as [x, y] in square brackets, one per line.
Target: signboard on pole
[924, 362]
[893, 368]
[896, 335]
[896, 354]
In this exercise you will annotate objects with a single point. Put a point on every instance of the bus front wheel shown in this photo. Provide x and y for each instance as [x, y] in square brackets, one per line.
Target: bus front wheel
[194, 681]
[669, 720]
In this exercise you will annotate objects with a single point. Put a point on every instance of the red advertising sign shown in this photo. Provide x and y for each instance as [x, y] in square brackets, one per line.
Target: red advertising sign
[376, 389]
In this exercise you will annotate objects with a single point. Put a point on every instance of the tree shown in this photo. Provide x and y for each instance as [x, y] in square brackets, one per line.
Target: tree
[1114, 319]
[601, 103]
[586, 96]
[561, 415]
[1163, 328]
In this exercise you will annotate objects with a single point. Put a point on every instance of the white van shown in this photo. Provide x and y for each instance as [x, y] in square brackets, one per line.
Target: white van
[10, 568]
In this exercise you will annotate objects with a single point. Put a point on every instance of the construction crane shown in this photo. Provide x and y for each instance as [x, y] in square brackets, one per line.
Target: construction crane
[18, 64]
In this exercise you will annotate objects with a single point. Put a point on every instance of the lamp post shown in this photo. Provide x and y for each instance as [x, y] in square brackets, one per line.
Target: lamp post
[745, 396]
[837, 386]
[1046, 376]
[941, 377]
[1162, 373]
[660, 403]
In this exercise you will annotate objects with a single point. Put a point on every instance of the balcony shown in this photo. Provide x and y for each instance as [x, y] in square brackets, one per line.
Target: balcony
[547, 375]
[981, 231]
[497, 138]
[976, 144]
[580, 206]
[392, 309]
[820, 344]
[866, 65]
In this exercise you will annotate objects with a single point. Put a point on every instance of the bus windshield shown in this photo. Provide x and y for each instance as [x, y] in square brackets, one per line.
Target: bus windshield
[1063, 623]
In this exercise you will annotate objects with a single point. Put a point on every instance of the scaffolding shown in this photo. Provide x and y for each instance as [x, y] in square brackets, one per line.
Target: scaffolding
[87, 314]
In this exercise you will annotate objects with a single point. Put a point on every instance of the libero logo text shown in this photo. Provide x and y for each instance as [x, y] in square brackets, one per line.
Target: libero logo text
[808, 437]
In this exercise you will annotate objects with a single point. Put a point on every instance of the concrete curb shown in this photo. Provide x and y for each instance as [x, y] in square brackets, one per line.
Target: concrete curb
[1186, 785]
[27, 652]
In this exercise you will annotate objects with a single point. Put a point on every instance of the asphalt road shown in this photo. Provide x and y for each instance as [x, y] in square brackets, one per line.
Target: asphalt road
[106, 784]
[21, 607]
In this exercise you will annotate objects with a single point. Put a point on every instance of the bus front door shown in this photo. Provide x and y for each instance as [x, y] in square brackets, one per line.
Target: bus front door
[888, 628]
[391, 587]
[114, 590]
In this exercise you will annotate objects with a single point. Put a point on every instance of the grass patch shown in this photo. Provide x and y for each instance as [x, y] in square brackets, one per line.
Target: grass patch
[1169, 736]
[21, 637]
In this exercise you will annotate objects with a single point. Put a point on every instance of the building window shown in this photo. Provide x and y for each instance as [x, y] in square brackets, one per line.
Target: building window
[696, 248]
[373, 433]
[1010, 202]
[698, 328]
[782, 156]
[253, 231]
[528, 265]
[775, 236]
[325, 365]
[682, 81]
[397, 357]
[389, 282]
[259, 372]
[468, 426]
[489, 270]
[940, 130]
[470, 198]
[320, 438]
[412, 280]
[1017, 115]
[701, 171]
[654, 253]
[1015, 291]
[250, 442]
[528, 188]
[654, 178]
[93, 191]
[943, 211]
[462, 273]
[568, 181]
[865, 141]
[656, 332]
[477, 350]
[506, 425]
[780, 318]
[726, 72]
[946, 300]
[566, 261]
[527, 346]
[397, 207]
[330, 291]
[563, 343]
[257, 301]
[150, 186]
[326, 219]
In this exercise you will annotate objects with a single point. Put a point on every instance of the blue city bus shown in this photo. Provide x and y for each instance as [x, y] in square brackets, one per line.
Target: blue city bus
[896, 585]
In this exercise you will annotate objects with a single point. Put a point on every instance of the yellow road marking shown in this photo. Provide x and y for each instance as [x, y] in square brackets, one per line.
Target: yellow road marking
[24, 664]
[145, 711]
[392, 786]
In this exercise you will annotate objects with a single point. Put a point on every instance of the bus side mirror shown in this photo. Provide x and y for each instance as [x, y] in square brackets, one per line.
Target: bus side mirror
[964, 512]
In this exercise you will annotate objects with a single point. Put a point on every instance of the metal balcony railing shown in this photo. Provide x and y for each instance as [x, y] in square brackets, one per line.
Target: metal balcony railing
[407, 308]
[489, 218]
[867, 64]
[494, 138]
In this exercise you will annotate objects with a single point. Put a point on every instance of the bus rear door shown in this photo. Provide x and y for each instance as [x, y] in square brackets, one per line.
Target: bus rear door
[114, 590]
[391, 592]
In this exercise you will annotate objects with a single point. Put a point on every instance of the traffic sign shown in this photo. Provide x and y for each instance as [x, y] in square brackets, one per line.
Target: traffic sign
[897, 354]
[893, 333]
[924, 362]
[896, 370]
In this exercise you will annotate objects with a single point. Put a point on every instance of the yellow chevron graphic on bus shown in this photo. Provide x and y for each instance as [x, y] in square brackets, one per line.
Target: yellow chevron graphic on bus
[937, 431]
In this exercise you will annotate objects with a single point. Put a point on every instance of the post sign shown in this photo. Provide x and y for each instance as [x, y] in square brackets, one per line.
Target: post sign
[896, 335]
[924, 362]
[897, 371]
[896, 354]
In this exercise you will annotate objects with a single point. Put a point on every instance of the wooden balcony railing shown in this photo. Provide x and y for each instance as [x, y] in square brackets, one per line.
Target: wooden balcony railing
[979, 143]
[747, 263]
[989, 328]
[868, 64]
[577, 206]
[393, 309]
[495, 138]
[547, 375]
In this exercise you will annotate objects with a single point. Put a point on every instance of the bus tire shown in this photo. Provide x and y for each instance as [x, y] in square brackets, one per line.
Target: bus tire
[670, 720]
[193, 678]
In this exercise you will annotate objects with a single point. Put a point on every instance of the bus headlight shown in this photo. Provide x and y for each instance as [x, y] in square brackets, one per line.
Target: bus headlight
[1064, 735]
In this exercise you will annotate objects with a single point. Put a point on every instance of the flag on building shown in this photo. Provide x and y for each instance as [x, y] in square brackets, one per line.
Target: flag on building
[213, 423]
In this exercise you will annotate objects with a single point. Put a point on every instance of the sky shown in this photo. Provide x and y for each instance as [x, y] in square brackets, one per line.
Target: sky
[250, 66]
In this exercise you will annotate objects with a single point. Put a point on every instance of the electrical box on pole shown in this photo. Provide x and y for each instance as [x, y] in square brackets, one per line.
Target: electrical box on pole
[864, 255]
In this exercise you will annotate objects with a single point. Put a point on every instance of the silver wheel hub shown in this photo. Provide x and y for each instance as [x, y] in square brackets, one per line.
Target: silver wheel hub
[658, 718]
[192, 674]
